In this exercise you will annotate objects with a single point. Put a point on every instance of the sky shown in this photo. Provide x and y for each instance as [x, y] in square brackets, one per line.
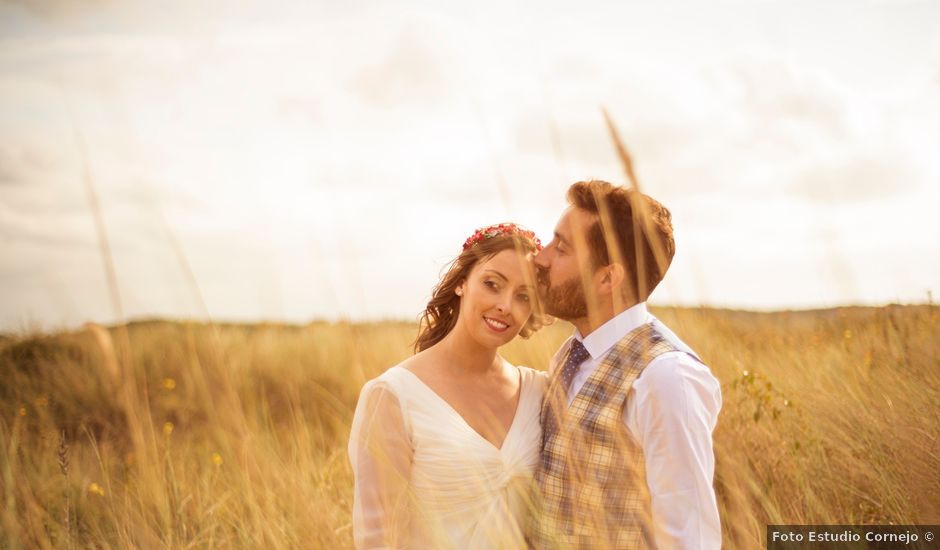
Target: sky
[296, 160]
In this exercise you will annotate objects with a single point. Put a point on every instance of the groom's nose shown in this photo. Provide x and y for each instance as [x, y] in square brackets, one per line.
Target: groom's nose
[541, 259]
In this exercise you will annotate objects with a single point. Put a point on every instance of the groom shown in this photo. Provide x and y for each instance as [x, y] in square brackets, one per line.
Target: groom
[627, 458]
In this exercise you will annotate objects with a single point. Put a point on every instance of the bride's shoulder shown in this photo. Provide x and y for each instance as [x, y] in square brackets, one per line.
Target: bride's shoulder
[535, 376]
[529, 371]
[394, 376]
[391, 380]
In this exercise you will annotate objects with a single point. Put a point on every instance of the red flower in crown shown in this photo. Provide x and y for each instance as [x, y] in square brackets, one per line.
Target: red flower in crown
[499, 229]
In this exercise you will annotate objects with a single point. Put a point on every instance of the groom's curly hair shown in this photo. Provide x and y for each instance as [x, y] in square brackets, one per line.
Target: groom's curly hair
[440, 315]
[632, 229]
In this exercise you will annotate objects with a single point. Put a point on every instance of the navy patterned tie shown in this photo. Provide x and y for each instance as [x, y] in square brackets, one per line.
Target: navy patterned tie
[576, 355]
[550, 416]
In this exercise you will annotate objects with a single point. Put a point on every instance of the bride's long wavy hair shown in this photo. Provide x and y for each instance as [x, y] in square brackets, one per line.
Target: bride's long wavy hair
[440, 315]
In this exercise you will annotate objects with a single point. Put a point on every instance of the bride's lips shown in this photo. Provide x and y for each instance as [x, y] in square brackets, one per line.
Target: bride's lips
[496, 325]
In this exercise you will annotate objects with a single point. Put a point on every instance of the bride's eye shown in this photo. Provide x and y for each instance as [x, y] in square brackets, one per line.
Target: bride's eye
[524, 297]
[491, 284]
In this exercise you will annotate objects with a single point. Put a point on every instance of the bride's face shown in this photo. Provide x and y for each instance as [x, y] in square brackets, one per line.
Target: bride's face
[497, 298]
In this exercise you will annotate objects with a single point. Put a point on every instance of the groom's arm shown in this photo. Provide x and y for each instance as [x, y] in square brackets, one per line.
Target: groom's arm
[672, 410]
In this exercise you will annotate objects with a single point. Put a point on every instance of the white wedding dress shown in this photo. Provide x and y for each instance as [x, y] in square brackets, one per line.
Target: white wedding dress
[455, 489]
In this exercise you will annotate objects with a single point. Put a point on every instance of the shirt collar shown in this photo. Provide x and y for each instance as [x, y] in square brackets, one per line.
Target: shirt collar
[605, 336]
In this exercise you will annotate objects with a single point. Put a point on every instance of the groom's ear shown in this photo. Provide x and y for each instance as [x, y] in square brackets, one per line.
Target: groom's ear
[613, 277]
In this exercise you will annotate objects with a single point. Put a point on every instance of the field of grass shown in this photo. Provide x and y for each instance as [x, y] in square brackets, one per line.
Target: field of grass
[177, 434]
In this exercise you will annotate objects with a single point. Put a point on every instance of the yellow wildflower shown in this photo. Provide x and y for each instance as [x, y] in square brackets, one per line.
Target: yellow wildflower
[96, 489]
[217, 459]
[167, 428]
[169, 384]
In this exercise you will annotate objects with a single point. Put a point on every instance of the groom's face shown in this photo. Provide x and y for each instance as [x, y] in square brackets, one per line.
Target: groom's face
[564, 266]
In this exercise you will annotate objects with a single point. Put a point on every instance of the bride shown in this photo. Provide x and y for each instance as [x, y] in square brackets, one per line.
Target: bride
[444, 445]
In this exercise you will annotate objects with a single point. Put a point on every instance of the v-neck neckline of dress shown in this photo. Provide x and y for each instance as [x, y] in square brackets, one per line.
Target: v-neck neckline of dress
[463, 420]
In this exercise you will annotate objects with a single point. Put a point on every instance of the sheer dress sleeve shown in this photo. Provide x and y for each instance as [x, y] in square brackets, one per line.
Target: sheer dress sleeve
[381, 453]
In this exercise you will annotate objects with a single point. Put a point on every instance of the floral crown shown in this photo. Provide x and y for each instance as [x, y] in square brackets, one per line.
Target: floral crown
[498, 230]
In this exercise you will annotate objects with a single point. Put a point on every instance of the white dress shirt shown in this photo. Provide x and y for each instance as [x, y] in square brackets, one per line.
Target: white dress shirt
[671, 411]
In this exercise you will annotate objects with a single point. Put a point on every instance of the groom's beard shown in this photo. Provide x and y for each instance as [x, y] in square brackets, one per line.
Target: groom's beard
[565, 301]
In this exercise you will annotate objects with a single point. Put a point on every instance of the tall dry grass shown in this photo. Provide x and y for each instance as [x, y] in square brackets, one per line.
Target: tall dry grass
[188, 435]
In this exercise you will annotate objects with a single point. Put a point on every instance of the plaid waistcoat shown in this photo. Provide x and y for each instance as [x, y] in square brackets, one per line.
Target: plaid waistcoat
[592, 475]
